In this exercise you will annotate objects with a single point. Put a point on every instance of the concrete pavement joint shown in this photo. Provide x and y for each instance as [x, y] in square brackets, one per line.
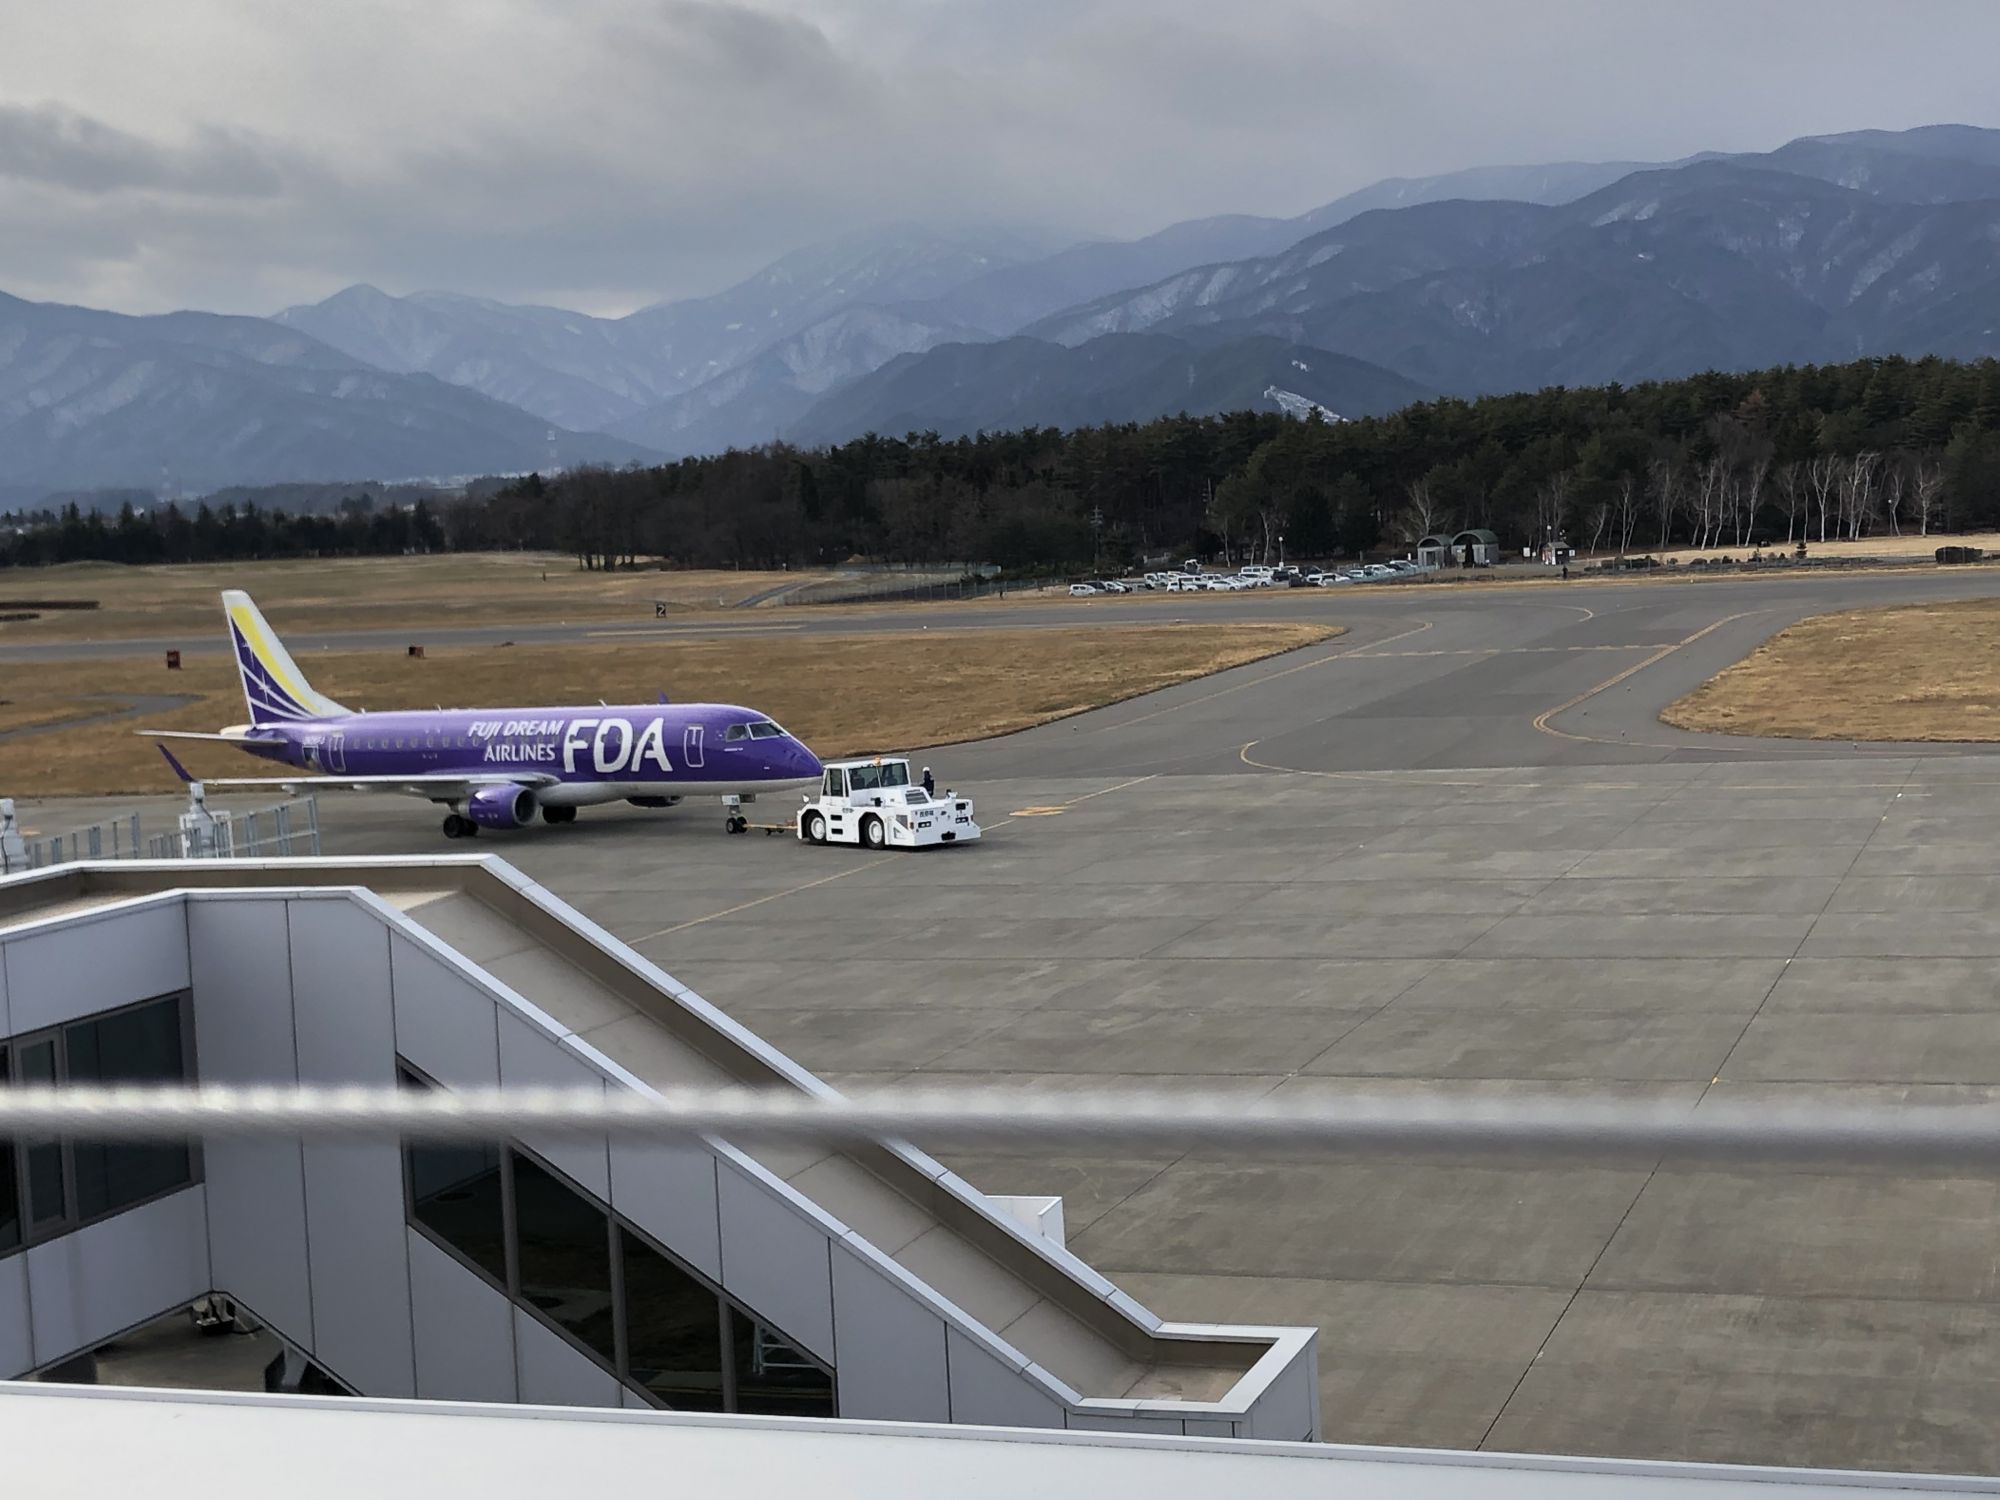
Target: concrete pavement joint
[1318, 661]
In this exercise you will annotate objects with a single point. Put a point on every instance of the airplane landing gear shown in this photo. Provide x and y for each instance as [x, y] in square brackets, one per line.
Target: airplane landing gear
[456, 827]
[733, 820]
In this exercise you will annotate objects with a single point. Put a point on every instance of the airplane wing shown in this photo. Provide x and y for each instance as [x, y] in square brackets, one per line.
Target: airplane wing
[191, 734]
[436, 788]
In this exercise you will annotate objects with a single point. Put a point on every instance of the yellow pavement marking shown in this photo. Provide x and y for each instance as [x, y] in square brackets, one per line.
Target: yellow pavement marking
[1542, 720]
[1038, 812]
[694, 630]
[731, 911]
[1514, 650]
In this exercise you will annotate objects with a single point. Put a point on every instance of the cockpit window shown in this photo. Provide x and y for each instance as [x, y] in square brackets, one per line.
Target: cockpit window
[766, 731]
[737, 732]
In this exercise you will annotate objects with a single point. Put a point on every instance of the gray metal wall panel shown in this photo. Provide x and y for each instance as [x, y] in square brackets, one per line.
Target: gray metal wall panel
[342, 1009]
[240, 963]
[464, 1330]
[354, 1193]
[360, 1266]
[17, 1344]
[888, 1347]
[553, 1373]
[444, 1024]
[257, 1231]
[987, 1392]
[776, 1260]
[96, 965]
[669, 1191]
[87, 1286]
[532, 1058]
[1287, 1410]
[6, 1025]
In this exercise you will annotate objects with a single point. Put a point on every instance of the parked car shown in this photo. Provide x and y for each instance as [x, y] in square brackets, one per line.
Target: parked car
[1379, 570]
[1082, 590]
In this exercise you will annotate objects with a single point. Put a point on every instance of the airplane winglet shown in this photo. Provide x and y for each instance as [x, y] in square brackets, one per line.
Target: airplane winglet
[179, 769]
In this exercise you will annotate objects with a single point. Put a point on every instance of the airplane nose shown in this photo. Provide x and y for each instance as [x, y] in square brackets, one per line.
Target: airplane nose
[808, 763]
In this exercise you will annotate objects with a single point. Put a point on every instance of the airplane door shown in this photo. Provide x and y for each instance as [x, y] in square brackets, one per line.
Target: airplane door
[691, 745]
[336, 752]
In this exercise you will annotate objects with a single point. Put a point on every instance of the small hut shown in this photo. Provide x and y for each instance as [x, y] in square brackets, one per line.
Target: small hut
[1434, 551]
[1477, 548]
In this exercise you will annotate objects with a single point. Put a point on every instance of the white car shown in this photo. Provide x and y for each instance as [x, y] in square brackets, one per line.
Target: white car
[1082, 590]
[1380, 570]
[874, 803]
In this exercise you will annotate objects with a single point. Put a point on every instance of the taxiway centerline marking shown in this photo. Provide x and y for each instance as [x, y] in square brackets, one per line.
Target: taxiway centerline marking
[1307, 666]
[1542, 722]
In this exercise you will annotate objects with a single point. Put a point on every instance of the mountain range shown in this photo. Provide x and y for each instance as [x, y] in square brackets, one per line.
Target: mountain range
[1491, 279]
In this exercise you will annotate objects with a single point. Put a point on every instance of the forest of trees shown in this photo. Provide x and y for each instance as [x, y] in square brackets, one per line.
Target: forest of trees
[1765, 458]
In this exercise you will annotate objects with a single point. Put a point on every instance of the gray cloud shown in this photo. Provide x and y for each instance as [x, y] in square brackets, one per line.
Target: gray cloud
[51, 144]
[605, 153]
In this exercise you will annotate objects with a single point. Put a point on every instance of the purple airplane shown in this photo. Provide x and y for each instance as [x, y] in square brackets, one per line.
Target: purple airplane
[496, 767]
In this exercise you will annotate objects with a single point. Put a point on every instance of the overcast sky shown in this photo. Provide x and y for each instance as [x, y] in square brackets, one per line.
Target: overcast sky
[244, 154]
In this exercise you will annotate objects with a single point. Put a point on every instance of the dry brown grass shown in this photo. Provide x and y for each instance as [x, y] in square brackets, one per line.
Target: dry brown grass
[841, 694]
[373, 593]
[1912, 672]
[1909, 548]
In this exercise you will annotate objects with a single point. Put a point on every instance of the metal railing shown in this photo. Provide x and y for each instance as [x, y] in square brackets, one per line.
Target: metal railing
[117, 838]
[276, 832]
[288, 828]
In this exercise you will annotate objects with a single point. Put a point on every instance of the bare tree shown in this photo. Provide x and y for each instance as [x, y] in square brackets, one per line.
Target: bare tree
[1749, 490]
[1926, 484]
[1625, 511]
[1600, 516]
[1663, 476]
[1894, 478]
[1822, 477]
[1425, 513]
[1706, 494]
[1857, 492]
[1552, 506]
[1792, 491]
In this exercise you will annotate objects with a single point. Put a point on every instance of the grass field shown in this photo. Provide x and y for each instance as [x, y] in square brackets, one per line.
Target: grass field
[1908, 548]
[1912, 672]
[841, 694]
[373, 593]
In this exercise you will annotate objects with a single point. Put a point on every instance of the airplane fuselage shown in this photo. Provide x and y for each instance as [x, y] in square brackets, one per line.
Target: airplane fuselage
[580, 755]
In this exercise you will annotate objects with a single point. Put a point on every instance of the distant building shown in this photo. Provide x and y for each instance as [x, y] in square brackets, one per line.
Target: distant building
[1478, 548]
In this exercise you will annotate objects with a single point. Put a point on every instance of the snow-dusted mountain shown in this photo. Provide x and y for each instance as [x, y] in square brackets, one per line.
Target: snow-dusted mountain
[94, 399]
[1723, 264]
[1490, 279]
[957, 389]
[761, 398]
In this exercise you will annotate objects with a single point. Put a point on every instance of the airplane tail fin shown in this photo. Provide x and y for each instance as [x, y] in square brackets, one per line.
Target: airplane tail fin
[273, 685]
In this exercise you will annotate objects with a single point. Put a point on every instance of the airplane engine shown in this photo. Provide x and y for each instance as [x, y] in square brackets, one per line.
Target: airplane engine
[501, 806]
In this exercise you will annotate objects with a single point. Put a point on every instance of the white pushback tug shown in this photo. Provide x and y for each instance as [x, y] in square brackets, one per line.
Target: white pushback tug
[874, 803]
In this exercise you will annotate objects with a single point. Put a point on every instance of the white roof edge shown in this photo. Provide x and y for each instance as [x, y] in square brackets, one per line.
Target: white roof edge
[439, 1414]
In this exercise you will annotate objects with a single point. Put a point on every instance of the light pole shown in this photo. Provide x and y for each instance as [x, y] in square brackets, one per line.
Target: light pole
[1281, 549]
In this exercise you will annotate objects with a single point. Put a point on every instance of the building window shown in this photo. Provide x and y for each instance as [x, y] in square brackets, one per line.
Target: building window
[455, 1194]
[10, 1187]
[563, 1256]
[49, 1186]
[673, 1329]
[140, 1045]
[773, 1376]
[558, 1252]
